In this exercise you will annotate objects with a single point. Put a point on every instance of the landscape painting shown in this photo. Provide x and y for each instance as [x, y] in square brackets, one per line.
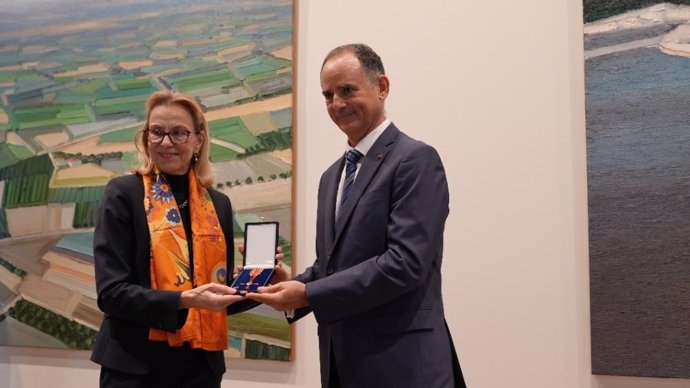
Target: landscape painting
[637, 72]
[74, 78]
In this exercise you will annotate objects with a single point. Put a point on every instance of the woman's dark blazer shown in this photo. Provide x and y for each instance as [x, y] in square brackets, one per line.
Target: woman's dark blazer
[122, 252]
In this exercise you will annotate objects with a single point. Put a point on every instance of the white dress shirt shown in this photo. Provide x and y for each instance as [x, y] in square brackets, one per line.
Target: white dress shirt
[363, 146]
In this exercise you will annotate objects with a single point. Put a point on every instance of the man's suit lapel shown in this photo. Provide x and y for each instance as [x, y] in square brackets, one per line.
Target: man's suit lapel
[330, 196]
[370, 165]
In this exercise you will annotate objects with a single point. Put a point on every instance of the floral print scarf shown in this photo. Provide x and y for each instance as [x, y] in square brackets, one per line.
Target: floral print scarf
[170, 261]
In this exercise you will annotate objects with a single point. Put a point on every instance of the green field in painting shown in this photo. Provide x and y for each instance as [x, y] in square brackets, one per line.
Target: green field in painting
[132, 108]
[119, 136]
[221, 81]
[26, 182]
[257, 324]
[216, 76]
[90, 86]
[69, 332]
[52, 115]
[11, 154]
[128, 81]
[131, 159]
[78, 182]
[232, 130]
[222, 154]
[75, 194]
[260, 64]
[259, 123]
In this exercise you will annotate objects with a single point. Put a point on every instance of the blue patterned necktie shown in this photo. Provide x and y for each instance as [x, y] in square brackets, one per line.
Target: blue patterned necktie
[351, 159]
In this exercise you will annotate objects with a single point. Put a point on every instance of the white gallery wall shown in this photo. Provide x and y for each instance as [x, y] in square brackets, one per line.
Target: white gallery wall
[497, 88]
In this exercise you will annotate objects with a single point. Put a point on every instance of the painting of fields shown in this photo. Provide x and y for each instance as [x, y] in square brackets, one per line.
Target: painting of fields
[637, 72]
[74, 77]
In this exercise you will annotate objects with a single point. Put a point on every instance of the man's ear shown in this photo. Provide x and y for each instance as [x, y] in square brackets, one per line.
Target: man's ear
[383, 84]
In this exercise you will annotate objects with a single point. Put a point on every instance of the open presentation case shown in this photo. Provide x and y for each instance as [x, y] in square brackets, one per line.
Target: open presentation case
[260, 243]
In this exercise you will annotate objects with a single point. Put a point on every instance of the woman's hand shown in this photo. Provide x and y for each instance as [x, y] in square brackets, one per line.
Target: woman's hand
[210, 296]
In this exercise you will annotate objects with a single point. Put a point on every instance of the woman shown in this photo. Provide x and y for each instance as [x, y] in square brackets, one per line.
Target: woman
[162, 251]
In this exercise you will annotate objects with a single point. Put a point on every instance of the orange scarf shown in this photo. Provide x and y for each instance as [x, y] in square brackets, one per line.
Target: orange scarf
[170, 270]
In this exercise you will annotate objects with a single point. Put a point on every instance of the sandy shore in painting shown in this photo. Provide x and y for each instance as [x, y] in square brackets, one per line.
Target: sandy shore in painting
[642, 23]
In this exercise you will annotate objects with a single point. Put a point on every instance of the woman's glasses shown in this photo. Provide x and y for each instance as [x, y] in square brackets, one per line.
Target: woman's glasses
[176, 136]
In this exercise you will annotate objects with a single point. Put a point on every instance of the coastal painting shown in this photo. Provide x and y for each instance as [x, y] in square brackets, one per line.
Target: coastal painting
[637, 74]
[74, 78]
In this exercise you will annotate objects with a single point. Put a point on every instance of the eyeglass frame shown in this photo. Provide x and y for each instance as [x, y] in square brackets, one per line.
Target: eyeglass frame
[147, 131]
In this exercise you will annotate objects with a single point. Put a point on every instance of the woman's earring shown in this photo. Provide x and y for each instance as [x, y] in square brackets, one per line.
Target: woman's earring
[196, 157]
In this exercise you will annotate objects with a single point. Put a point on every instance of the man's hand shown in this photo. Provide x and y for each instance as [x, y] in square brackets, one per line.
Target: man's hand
[210, 296]
[280, 273]
[282, 296]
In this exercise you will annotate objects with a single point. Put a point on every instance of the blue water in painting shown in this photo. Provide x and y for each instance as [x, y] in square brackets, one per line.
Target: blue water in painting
[638, 109]
[638, 155]
[638, 146]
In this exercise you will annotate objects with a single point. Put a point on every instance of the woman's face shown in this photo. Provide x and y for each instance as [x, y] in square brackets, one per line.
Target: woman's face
[170, 154]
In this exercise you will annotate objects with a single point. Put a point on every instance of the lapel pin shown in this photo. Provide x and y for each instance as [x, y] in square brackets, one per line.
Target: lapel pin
[379, 156]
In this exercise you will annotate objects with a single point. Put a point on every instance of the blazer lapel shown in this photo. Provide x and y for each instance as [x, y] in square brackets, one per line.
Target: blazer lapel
[371, 163]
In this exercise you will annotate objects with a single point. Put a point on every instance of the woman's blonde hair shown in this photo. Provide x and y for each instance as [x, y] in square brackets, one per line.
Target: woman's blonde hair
[202, 166]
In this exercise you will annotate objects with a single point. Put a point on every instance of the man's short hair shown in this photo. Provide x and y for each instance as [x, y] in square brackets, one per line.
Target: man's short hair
[370, 61]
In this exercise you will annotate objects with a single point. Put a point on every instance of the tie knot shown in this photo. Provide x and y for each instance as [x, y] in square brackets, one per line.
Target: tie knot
[353, 156]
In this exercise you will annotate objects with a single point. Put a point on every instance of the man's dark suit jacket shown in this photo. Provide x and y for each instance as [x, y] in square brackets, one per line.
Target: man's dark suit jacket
[375, 287]
[122, 249]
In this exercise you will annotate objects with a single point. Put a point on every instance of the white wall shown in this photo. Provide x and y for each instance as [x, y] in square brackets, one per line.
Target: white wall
[497, 87]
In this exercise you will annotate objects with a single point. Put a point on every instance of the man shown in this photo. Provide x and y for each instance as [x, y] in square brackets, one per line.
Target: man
[375, 287]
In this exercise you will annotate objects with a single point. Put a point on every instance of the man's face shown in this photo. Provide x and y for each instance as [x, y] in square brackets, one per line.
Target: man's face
[354, 102]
